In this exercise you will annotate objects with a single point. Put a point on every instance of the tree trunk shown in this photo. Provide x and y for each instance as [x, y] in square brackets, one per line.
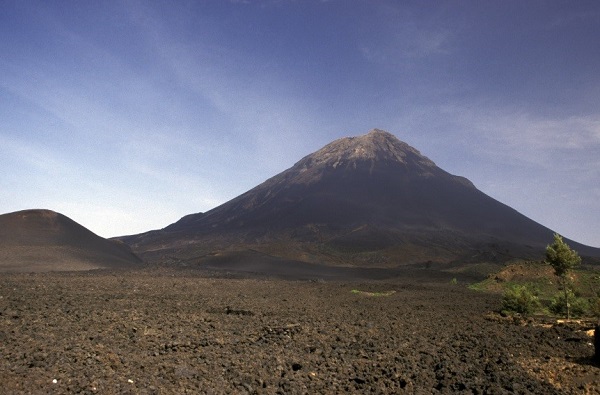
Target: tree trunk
[568, 305]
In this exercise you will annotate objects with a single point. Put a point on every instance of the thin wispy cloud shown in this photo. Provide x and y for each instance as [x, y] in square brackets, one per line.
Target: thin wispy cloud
[29, 155]
[252, 104]
[406, 45]
[179, 107]
[527, 159]
[529, 138]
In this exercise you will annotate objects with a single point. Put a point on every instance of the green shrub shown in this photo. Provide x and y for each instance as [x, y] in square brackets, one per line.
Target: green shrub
[578, 306]
[595, 307]
[520, 299]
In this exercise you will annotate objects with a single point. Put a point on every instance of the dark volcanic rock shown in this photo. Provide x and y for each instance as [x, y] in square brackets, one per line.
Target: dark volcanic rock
[597, 343]
[169, 332]
[372, 200]
[43, 240]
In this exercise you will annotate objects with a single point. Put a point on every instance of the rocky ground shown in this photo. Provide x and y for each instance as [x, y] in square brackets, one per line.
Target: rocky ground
[173, 332]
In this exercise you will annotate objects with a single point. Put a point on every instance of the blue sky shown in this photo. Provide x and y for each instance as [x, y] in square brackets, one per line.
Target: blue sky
[127, 115]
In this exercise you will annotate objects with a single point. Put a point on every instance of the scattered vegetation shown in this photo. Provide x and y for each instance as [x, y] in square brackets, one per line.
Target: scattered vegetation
[557, 285]
[521, 299]
[568, 304]
[594, 306]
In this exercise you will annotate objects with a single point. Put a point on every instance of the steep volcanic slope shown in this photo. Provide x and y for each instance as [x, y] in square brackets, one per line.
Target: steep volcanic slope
[369, 200]
[43, 240]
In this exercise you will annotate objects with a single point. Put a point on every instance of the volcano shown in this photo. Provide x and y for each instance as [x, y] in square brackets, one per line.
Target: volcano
[371, 201]
[44, 240]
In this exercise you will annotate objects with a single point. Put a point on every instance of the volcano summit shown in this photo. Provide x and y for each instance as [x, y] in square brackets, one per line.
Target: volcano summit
[368, 201]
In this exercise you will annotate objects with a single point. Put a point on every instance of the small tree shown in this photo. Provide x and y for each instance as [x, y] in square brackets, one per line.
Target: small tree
[562, 259]
[520, 299]
[577, 306]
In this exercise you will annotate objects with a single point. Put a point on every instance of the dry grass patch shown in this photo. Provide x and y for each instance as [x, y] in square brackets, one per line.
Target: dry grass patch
[367, 293]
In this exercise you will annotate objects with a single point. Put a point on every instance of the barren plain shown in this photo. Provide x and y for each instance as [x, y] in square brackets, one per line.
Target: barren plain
[164, 331]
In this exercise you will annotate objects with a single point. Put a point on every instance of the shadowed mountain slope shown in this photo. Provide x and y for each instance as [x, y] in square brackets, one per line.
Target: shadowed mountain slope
[43, 240]
[370, 200]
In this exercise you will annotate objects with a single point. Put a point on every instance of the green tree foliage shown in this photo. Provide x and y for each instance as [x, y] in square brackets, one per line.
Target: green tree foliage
[520, 299]
[595, 307]
[577, 306]
[563, 260]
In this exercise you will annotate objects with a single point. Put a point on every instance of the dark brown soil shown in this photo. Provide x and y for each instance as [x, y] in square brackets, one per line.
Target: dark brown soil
[167, 332]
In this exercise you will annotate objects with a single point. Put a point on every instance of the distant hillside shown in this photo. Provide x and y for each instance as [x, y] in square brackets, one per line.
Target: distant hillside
[43, 240]
[371, 201]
